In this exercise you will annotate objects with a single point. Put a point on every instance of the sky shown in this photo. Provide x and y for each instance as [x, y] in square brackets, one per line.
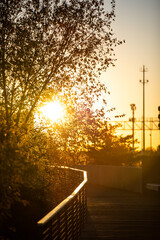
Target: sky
[138, 23]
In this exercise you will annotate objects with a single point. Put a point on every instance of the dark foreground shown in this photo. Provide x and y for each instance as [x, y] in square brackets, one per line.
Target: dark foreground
[121, 215]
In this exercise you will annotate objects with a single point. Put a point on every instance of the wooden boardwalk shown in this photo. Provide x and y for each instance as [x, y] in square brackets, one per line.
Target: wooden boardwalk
[121, 215]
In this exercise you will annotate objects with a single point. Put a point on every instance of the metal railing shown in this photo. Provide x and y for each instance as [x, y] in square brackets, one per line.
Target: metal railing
[66, 220]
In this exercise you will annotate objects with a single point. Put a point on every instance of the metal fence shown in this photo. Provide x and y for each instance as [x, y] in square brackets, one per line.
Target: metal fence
[67, 219]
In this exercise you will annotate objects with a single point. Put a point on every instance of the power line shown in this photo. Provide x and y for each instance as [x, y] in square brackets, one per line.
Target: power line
[150, 124]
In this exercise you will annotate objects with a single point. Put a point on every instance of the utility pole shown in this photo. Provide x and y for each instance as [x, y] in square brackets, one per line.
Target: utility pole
[144, 81]
[159, 123]
[133, 108]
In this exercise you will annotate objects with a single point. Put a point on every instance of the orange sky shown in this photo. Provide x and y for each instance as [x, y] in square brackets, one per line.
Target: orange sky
[138, 23]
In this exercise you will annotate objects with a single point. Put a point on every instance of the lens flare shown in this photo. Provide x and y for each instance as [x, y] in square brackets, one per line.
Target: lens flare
[53, 110]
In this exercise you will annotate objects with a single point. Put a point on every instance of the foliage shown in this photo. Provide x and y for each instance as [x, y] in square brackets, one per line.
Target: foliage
[114, 150]
[44, 46]
[97, 144]
[85, 136]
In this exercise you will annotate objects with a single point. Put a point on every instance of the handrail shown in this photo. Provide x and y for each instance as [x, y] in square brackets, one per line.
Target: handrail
[66, 220]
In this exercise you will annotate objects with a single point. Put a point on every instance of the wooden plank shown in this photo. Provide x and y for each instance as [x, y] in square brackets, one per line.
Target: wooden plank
[115, 215]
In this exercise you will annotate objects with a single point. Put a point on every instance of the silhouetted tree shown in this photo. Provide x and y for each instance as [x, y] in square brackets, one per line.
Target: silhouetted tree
[47, 43]
[113, 150]
[44, 46]
[80, 127]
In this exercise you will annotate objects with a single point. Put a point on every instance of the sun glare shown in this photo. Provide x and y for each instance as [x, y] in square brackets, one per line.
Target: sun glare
[53, 110]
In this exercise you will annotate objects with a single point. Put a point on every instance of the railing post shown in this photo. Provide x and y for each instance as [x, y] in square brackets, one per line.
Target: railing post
[67, 219]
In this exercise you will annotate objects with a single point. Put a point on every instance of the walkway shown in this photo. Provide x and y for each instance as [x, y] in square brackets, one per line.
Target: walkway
[121, 215]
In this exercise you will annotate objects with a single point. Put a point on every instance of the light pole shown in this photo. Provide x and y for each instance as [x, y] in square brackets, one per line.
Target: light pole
[133, 108]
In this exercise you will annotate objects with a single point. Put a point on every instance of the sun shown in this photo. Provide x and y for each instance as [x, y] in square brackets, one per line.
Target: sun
[53, 110]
